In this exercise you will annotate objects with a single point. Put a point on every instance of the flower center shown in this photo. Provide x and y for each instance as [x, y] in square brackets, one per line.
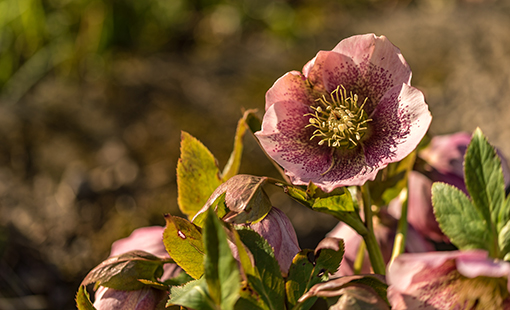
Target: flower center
[338, 120]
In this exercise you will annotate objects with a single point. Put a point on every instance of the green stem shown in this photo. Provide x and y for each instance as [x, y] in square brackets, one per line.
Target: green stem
[374, 251]
[399, 244]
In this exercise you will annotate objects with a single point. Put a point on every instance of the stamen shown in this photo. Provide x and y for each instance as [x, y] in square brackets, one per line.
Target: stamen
[338, 119]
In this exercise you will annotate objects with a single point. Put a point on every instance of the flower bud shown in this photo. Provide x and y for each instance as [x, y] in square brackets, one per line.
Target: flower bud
[277, 229]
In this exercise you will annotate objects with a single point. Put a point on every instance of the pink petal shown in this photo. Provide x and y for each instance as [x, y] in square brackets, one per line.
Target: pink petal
[331, 70]
[144, 299]
[399, 123]
[289, 88]
[148, 239]
[377, 57]
[277, 229]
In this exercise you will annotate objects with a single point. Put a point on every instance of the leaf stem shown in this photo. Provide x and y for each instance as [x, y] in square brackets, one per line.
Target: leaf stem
[374, 251]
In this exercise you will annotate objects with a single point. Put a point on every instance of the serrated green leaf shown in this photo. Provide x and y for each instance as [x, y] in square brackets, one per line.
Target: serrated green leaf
[504, 240]
[310, 268]
[193, 295]
[464, 224]
[484, 181]
[234, 161]
[267, 286]
[83, 300]
[334, 204]
[198, 175]
[183, 241]
[123, 272]
[221, 272]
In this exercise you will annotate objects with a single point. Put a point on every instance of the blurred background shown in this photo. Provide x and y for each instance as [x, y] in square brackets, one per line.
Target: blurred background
[94, 94]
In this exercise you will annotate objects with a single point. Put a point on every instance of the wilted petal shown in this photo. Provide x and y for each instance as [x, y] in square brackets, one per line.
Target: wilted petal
[448, 280]
[148, 239]
[277, 229]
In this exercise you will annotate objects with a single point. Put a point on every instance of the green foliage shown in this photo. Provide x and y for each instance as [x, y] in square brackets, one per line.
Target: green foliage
[198, 175]
[123, 272]
[183, 241]
[219, 287]
[310, 268]
[481, 222]
[221, 272]
[83, 299]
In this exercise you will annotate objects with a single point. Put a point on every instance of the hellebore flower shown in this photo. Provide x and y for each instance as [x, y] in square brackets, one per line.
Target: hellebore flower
[349, 114]
[148, 239]
[448, 280]
[277, 229]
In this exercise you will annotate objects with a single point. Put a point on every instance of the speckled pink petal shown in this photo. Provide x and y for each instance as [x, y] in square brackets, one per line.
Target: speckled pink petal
[331, 70]
[287, 141]
[289, 88]
[378, 51]
[399, 123]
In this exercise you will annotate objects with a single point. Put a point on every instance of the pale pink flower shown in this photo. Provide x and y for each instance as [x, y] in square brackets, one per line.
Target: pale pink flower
[148, 239]
[448, 280]
[349, 114]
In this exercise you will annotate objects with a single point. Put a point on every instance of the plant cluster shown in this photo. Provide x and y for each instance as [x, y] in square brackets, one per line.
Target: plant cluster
[348, 134]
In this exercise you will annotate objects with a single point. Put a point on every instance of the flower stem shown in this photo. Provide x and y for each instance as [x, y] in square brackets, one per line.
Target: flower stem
[374, 251]
[400, 238]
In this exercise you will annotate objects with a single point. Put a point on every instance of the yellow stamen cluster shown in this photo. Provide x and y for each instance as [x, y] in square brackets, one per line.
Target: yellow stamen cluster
[339, 121]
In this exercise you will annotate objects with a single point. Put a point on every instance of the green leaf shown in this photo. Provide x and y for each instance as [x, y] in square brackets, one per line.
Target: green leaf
[484, 181]
[310, 268]
[193, 295]
[198, 175]
[504, 240]
[123, 272]
[83, 300]
[183, 241]
[464, 224]
[221, 271]
[234, 162]
[267, 286]
[180, 279]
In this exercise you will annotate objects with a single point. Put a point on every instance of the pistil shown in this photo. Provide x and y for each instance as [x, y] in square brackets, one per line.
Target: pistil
[338, 120]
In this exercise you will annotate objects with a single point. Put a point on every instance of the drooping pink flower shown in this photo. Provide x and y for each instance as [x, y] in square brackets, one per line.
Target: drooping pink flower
[349, 114]
[448, 280]
[277, 229]
[148, 239]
